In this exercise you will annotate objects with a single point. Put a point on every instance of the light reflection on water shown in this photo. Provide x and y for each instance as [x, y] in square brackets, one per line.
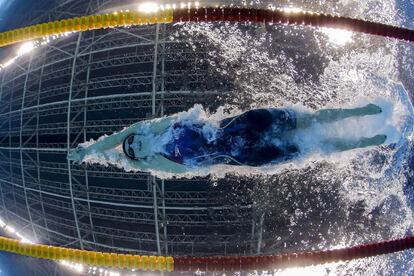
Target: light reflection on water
[338, 37]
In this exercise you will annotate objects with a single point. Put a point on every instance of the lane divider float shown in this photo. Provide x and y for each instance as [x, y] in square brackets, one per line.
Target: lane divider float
[198, 15]
[209, 264]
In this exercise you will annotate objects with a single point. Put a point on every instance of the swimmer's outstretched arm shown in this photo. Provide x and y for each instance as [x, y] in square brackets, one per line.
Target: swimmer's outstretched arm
[333, 115]
[157, 126]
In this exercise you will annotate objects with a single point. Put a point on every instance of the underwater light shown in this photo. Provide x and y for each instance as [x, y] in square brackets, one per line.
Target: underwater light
[309, 271]
[8, 63]
[76, 267]
[26, 47]
[148, 7]
[337, 36]
[291, 10]
[10, 229]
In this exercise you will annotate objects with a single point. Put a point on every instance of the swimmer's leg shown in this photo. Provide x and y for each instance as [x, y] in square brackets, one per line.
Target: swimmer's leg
[333, 115]
[343, 145]
[252, 124]
[255, 120]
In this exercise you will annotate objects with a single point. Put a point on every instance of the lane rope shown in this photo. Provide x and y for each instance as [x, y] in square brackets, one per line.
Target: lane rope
[85, 257]
[197, 15]
[210, 264]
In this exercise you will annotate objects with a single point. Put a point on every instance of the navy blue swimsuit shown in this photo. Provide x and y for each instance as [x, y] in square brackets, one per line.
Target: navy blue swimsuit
[240, 140]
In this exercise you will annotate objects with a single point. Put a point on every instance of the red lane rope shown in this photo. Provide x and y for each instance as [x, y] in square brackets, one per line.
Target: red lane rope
[197, 15]
[270, 262]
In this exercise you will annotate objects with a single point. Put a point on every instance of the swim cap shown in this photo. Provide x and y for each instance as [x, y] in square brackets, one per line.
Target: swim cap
[136, 147]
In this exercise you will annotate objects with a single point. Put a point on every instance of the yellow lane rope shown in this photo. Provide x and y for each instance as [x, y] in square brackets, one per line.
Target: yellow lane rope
[90, 258]
[84, 23]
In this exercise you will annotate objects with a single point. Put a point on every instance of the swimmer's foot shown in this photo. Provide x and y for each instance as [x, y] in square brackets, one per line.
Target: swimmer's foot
[371, 109]
[343, 145]
[373, 141]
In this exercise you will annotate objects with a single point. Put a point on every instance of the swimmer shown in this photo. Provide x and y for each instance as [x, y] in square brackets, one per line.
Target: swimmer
[238, 141]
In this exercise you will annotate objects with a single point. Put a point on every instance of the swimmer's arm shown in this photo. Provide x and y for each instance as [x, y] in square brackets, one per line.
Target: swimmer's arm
[158, 163]
[156, 126]
[108, 142]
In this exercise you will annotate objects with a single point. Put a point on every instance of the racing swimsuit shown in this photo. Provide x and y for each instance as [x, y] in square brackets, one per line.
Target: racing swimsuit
[254, 138]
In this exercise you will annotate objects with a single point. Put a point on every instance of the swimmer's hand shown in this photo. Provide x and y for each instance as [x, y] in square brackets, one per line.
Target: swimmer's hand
[77, 154]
